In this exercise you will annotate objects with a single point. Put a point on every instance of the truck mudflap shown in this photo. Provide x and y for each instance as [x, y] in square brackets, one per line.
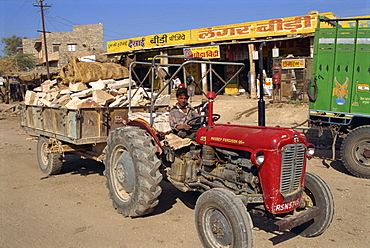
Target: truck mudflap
[299, 219]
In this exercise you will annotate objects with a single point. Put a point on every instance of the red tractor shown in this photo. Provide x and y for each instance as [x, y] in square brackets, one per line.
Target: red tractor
[239, 169]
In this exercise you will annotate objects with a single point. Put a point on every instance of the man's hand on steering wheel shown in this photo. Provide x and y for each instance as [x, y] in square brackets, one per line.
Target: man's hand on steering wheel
[184, 126]
[198, 121]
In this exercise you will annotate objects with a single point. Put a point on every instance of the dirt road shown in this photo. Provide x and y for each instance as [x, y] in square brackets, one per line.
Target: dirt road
[73, 210]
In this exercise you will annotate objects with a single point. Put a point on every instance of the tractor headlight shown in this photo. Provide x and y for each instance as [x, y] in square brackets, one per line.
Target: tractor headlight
[258, 158]
[310, 150]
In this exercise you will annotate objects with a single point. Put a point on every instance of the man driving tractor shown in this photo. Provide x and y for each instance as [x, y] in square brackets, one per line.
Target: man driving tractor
[181, 113]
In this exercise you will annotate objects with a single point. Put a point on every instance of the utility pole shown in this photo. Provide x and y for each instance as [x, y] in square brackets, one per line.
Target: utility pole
[42, 6]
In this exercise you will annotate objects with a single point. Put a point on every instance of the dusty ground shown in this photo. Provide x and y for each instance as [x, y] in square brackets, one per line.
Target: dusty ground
[73, 210]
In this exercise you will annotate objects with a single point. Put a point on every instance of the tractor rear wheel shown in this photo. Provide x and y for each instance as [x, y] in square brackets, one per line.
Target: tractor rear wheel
[222, 220]
[132, 171]
[316, 193]
[355, 152]
[49, 162]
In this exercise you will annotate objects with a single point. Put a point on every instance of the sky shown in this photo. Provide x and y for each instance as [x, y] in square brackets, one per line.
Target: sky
[124, 19]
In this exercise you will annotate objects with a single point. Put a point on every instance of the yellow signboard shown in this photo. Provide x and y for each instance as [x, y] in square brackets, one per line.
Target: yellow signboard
[206, 52]
[293, 63]
[150, 41]
[267, 28]
[273, 27]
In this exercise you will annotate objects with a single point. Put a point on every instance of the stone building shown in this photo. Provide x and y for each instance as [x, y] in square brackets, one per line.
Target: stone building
[85, 41]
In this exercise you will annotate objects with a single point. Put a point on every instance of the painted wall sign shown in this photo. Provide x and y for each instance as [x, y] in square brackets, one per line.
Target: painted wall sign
[293, 63]
[150, 41]
[207, 52]
[272, 27]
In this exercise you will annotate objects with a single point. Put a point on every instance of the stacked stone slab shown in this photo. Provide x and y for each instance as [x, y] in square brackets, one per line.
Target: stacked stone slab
[101, 93]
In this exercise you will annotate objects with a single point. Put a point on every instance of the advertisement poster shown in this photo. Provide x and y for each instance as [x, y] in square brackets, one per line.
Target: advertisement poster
[206, 52]
[293, 63]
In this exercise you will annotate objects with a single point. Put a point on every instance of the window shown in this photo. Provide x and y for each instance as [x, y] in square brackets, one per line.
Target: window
[55, 47]
[71, 47]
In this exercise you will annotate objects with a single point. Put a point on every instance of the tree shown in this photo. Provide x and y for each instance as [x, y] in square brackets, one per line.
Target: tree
[24, 61]
[15, 60]
[6, 65]
[12, 44]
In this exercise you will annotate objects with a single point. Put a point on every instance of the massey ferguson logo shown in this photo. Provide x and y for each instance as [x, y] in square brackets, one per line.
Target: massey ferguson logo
[296, 138]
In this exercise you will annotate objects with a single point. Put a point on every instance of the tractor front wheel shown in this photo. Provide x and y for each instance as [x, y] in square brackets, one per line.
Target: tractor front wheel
[316, 193]
[222, 220]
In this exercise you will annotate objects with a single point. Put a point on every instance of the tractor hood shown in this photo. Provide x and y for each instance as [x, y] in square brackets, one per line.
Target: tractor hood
[248, 138]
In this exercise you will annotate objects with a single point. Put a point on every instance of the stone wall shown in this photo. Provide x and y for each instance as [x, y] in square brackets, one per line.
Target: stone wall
[29, 46]
[86, 39]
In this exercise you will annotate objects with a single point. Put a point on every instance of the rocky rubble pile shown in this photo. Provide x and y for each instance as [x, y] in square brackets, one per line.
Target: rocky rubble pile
[101, 93]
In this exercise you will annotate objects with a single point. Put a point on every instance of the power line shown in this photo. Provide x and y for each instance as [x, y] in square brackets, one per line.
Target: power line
[19, 17]
[49, 17]
[55, 14]
[14, 18]
[73, 23]
[48, 20]
[55, 20]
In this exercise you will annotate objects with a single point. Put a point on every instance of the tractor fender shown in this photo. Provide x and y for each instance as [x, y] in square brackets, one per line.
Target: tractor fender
[142, 124]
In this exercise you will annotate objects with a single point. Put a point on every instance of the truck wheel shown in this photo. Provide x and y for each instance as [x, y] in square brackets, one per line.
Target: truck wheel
[132, 171]
[316, 193]
[222, 220]
[355, 152]
[50, 163]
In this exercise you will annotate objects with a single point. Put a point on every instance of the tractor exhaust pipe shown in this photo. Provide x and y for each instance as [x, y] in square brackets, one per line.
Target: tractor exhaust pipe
[261, 102]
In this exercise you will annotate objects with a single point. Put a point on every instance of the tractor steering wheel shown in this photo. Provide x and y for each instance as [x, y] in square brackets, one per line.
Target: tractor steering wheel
[195, 123]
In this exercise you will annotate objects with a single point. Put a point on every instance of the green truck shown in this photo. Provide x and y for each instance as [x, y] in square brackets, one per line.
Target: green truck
[339, 89]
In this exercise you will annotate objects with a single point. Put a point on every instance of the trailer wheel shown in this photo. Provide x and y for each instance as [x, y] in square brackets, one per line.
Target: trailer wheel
[222, 220]
[355, 152]
[50, 162]
[316, 193]
[132, 171]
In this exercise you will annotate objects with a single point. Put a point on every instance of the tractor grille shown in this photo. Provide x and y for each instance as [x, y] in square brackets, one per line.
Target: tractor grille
[291, 167]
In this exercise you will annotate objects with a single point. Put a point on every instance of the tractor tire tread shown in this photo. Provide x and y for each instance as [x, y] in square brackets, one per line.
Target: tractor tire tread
[144, 156]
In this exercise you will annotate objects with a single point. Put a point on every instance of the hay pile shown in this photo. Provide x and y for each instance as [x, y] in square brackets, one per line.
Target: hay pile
[84, 72]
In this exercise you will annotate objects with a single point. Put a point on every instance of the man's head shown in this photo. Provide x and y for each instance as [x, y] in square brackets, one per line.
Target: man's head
[182, 97]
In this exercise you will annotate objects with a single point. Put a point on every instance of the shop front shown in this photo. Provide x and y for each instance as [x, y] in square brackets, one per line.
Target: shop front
[285, 37]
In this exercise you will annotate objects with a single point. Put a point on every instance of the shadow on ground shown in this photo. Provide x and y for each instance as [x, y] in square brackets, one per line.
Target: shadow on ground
[74, 164]
[328, 161]
[169, 197]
